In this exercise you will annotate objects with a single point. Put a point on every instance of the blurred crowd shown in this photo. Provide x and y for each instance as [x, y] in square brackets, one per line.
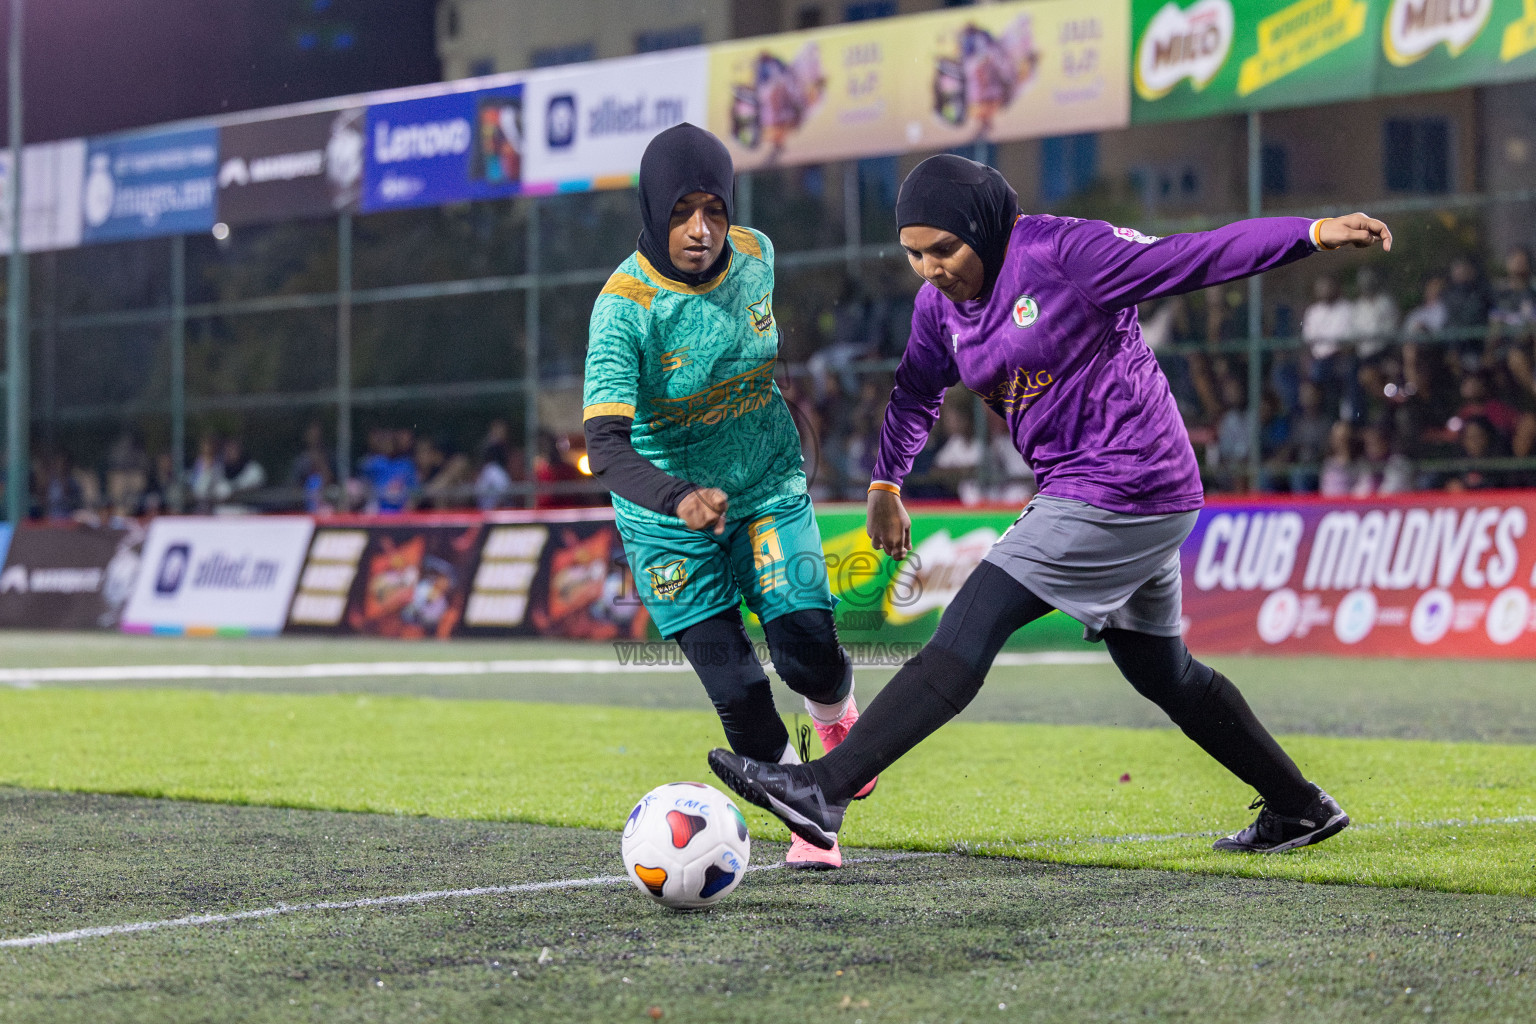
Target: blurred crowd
[1364, 393]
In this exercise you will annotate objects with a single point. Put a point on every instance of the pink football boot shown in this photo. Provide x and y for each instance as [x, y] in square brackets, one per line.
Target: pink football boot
[832, 735]
[803, 855]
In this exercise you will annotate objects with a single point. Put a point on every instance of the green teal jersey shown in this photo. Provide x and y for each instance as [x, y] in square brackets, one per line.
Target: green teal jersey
[693, 365]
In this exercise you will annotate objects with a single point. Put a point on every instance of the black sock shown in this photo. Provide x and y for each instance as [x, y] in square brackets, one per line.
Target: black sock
[1212, 712]
[1227, 729]
[928, 691]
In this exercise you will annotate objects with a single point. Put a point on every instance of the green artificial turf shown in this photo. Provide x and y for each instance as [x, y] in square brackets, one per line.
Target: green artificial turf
[946, 939]
[1044, 792]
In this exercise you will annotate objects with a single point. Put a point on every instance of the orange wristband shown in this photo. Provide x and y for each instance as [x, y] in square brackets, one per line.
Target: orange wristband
[1316, 232]
[881, 485]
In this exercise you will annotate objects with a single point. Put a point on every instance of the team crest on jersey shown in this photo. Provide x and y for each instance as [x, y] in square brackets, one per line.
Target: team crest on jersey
[1132, 235]
[1025, 311]
[667, 580]
[761, 313]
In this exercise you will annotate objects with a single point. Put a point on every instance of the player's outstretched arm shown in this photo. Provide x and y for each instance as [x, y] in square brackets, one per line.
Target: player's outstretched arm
[1357, 231]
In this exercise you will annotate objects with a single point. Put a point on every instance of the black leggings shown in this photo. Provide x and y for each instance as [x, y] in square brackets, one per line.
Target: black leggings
[937, 684]
[805, 653]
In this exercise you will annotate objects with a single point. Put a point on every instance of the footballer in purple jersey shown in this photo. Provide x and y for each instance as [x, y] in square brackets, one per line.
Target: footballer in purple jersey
[1037, 316]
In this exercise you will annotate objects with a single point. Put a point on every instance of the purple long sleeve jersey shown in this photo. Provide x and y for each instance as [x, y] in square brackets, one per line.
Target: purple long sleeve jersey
[1056, 350]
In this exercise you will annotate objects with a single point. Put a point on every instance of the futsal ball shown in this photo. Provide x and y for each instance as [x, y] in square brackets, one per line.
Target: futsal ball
[686, 845]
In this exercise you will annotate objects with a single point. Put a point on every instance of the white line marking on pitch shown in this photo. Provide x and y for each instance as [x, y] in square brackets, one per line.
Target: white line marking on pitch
[54, 938]
[29, 678]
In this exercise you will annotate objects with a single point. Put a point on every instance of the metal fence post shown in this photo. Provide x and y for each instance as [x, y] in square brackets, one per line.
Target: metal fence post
[178, 341]
[1255, 305]
[531, 356]
[18, 406]
[343, 358]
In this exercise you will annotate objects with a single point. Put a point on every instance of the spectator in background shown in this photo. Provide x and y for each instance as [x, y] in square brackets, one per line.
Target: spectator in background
[1274, 439]
[205, 480]
[127, 474]
[1373, 325]
[553, 471]
[1229, 455]
[1311, 428]
[1512, 319]
[864, 431]
[1478, 440]
[1326, 326]
[493, 484]
[160, 495]
[1423, 323]
[391, 480]
[1013, 482]
[242, 474]
[1338, 476]
[1479, 400]
[61, 494]
[442, 474]
[1466, 310]
[1381, 469]
[311, 468]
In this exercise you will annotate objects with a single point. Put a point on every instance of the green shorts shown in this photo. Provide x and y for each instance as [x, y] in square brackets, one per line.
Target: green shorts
[773, 560]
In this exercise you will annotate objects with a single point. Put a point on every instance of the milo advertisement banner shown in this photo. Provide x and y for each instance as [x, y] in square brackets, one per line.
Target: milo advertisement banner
[1426, 575]
[1444, 44]
[1195, 59]
[882, 602]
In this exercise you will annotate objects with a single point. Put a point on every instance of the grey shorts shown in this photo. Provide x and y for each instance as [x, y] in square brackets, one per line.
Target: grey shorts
[1108, 570]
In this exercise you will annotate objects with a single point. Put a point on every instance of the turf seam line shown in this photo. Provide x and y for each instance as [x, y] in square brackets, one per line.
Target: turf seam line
[29, 678]
[192, 920]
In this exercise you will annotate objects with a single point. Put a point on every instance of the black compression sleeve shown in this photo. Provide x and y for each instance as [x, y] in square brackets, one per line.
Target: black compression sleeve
[626, 472]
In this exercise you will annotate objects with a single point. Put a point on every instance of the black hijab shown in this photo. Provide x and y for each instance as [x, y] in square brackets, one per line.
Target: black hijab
[969, 200]
[681, 160]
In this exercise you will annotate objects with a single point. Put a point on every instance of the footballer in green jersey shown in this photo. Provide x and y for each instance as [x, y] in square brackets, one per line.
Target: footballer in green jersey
[687, 429]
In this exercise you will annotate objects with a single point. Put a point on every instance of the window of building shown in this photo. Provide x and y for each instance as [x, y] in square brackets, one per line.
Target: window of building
[571, 53]
[1416, 153]
[869, 10]
[1069, 164]
[1275, 169]
[669, 38]
[808, 16]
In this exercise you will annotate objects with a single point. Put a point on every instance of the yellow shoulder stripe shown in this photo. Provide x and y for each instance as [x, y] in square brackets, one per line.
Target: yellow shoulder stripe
[743, 240]
[607, 409]
[631, 288]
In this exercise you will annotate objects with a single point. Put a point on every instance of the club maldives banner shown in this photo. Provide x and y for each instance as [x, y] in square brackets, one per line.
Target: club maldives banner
[305, 166]
[444, 149]
[69, 575]
[1444, 44]
[147, 184]
[1428, 575]
[995, 72]
[217, 575]
[587, 125]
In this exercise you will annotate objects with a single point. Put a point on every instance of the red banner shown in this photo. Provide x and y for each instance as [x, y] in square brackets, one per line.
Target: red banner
[1419, 575]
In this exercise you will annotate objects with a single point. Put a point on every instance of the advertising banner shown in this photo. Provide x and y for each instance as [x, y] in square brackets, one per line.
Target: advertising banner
[206, 575]
[586, 125]
[404, 579]
[998, 72]
[1431, 44]
[69, 576]
[1195, 59]
[1426, 575]
[52, 177]
[305, 166]
[444, 149]
[148, 184]
[883, 603]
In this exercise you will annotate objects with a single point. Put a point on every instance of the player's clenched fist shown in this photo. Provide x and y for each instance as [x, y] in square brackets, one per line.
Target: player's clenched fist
[704, 509]
[1355, 230]
[888, 525]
